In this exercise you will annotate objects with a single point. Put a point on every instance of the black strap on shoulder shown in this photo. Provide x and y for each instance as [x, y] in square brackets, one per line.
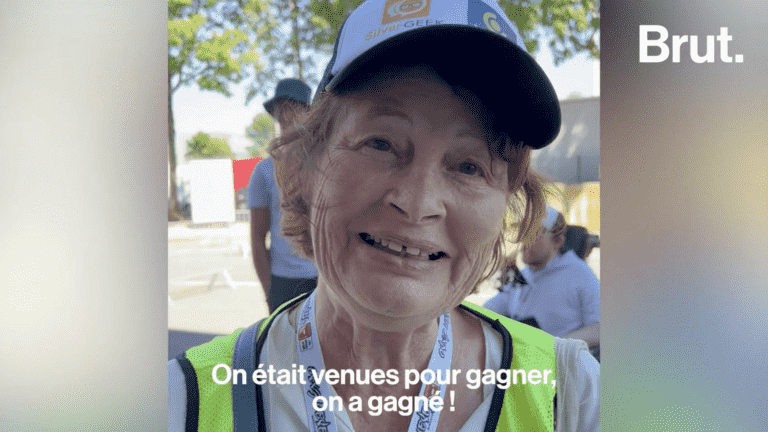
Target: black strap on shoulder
[193, 394]
[506, 359]
[247, 399]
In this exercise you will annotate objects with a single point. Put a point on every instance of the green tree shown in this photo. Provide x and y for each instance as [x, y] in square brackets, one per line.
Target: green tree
[211, 45]
[569, 27]
[296, 34]
[202, 146]
[260, 131]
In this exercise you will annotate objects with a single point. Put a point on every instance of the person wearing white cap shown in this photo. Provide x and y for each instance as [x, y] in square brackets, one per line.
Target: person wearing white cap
[397, 184]
[562, 294]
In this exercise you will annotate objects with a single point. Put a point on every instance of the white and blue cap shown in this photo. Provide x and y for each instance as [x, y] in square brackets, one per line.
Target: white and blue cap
[467, 42]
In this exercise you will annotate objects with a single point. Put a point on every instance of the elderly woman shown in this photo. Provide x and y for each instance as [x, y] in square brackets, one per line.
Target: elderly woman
[397, 184]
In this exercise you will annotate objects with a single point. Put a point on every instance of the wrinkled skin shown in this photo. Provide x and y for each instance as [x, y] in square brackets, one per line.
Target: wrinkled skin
[409, 163]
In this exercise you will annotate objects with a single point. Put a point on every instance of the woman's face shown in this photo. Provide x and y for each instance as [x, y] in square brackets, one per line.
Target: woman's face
[407, 202]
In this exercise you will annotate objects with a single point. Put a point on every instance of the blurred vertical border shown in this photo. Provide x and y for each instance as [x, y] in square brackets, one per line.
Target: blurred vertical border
[83, 230]
[83, 314]
[684, 241]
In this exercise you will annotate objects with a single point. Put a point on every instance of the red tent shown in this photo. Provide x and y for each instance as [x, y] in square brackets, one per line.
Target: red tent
[242, 170]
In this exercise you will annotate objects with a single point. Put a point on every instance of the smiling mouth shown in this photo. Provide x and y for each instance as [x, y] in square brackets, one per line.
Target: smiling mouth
[398, 249]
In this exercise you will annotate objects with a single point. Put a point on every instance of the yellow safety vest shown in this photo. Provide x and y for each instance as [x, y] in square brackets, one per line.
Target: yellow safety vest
[516, 409]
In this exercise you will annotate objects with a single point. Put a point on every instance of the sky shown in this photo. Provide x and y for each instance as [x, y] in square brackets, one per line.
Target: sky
[212, 113]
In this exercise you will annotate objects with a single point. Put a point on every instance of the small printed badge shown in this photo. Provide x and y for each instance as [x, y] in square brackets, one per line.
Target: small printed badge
[396, 10]
[305, 337]
[431, 390]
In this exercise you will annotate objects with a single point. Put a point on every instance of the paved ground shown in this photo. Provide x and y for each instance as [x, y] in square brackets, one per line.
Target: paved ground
[212, 286]
[213, 289]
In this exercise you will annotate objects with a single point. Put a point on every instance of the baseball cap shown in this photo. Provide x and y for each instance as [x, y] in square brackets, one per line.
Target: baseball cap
[467, 42]
[288, 89]
[550, 218]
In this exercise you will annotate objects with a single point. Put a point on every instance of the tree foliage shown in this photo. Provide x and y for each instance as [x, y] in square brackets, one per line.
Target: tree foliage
[569, 27]
[210, 43]
[202, 146]
[298, 35]
[260, 131]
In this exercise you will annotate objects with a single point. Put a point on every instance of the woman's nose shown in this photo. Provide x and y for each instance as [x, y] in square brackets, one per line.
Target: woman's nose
[418, 195]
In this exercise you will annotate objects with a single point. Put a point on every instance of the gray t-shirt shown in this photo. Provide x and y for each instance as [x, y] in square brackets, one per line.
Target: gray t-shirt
[263, 192]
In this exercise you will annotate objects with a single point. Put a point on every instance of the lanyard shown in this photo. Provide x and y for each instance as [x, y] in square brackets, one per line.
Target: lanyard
[310, 355]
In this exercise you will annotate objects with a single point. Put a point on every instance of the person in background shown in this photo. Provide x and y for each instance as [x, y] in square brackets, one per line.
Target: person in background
[283, 274]
[562, 294]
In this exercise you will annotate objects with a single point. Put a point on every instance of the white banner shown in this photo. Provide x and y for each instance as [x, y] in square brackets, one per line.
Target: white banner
[211, 190]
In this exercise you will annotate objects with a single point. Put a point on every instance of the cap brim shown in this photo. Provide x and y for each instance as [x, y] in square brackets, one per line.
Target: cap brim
[269, 105]
[509, 82]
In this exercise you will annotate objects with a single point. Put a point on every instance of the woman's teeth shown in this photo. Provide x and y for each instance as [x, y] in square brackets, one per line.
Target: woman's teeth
[399, 249]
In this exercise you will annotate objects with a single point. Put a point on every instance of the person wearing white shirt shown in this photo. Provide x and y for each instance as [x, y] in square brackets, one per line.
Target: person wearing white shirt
[561, 293]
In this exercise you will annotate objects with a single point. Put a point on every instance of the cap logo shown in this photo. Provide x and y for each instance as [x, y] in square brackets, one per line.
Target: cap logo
[489, 19]
[396, 10]
[482, 15]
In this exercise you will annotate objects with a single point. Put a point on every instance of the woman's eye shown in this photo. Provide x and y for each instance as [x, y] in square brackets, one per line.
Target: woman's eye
[469, 168]
[379, 144]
